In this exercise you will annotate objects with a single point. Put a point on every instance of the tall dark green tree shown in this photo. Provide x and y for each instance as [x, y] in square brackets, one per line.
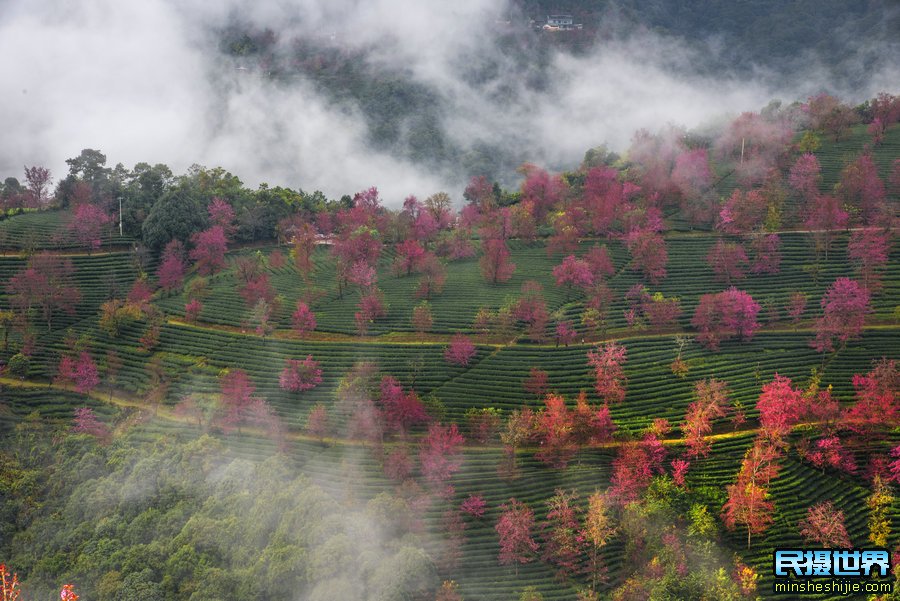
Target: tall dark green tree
[177, 215]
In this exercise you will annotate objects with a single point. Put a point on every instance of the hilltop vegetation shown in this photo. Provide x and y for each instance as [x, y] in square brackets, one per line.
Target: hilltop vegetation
[628, 380]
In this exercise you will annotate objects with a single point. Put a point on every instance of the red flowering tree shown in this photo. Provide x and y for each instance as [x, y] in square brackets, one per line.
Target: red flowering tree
[565, 237]
[727, 260]
[317, 422]
[845, 306]
[453, 525]
[237, 395]
[409, 254]
[86, 422]
[591, 426]
[830, 453]
[748, 501]
[824, 525]
[822, 407]
[304, 319]
[457, 243]
[796, 306]
[541, 189]
[426, 226]
[398, 465]
[648, 254]
[9, 584]
[600, 263]
[876, 409]
[565, 333]
[170, 272]
[298, 375]
[553, 430]
[474, 505]
[861, 187]
[692, 174]
[259, 414]
[221, 214]
[80, 371]
[825, 217]
[422, 319]
[730, 311]
[753, 141]
[483, 423]
[573, 273]
[303, 242]
[894, 466]
[433, 277]
[401, 410]
[830, 115]
[248, 267]
[276, 259]
[257, 289]
[743, 212]
[46, 284]
[868, 249]
[209, 250]
[362, 275]
[711, 403]
[805, 176]
[514, 529]
[661, 311]
[38, 182]
[607, 361]
[766, 253]
[440, 456]
[189, 408]
[679, 471]
[780, 407]
[192, 309]
[536, 383]
[140, 293]
[480, 193]
[634, 467]
[531, 308]
[460, 351]
[370, 307]
[495, 264]
[87, 225]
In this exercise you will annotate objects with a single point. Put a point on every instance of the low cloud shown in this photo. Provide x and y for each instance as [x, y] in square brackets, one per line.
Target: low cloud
[148, 82]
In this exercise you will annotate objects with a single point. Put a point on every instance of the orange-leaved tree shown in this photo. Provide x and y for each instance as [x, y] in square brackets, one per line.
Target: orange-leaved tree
[9, 587]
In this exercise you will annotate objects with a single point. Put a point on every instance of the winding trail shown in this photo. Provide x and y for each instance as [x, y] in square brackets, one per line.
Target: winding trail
[119, 399]
[443, 339]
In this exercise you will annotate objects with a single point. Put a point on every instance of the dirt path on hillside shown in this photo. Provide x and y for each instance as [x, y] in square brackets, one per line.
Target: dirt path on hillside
[151, 411]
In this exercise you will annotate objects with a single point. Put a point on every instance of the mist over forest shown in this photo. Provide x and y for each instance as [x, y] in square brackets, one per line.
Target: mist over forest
[407, 96]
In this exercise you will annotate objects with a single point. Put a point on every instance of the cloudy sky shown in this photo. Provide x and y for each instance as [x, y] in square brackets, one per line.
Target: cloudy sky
[145, 81]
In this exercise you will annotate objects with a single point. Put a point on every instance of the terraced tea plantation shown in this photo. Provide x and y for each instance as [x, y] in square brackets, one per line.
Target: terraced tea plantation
[417, 439]
[689, 277]
[50, 230]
